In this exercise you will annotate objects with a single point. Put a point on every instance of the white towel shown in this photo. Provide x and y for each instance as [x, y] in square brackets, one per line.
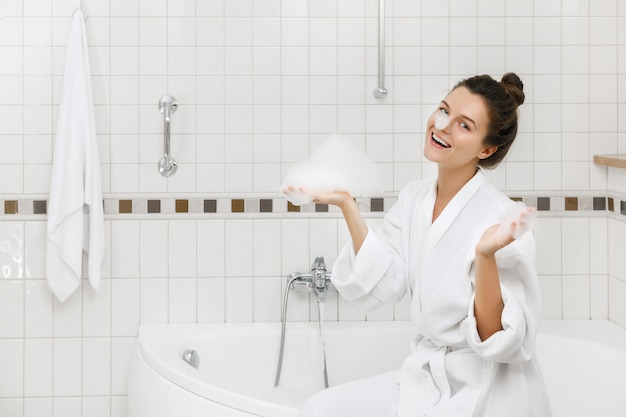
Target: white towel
[75, 212]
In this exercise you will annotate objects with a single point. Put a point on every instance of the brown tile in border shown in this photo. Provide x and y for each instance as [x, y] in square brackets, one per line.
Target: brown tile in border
[266, 205]
[10, 207]
[237, 205]
[571, 203]
[611, 204]
[182, 206]
[126, 206]
[292, 208]
[154, 206]
[622, 207]
[519, 199]
[40, 207]
[210, 206]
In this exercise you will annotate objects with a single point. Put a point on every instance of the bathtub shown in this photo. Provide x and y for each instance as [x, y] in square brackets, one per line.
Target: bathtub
[584, 365]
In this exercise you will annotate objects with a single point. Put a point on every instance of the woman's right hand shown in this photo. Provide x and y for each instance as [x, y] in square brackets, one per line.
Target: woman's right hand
[335, 198]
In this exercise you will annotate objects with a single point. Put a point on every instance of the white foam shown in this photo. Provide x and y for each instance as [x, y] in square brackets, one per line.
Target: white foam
[524, 218]
[335, 165]
[442, 120]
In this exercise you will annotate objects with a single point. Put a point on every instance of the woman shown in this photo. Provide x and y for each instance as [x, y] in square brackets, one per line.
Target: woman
[474, 290]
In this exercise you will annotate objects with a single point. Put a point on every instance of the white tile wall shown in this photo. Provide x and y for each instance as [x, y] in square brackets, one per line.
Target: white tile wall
[260, 83]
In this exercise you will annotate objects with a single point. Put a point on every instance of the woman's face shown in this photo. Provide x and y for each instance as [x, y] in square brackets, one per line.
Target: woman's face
[456, 131]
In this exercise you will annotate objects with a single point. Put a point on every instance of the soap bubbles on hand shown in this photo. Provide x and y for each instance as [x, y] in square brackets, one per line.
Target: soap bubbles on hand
[524, 218]
[335, 165]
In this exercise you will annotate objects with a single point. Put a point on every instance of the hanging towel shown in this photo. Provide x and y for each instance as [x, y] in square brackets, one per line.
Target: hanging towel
[75, 212]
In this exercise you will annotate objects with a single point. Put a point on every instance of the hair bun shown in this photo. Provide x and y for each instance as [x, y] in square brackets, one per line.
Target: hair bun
[514, 87]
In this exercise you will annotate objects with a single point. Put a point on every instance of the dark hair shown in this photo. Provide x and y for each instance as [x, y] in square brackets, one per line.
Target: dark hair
[502, 100]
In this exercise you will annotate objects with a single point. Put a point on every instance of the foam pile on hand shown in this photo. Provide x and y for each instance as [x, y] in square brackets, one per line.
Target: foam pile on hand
[335, 165]
[524, 218]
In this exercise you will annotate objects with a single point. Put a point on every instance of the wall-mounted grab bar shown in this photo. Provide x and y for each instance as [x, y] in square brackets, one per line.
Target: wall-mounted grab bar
[381, 91]
[167, 106]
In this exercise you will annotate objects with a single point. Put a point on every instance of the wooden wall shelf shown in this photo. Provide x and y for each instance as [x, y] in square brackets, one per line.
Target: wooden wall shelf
[615, 160]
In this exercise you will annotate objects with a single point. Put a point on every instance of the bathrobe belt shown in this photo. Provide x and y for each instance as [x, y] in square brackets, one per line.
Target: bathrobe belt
[423, 379]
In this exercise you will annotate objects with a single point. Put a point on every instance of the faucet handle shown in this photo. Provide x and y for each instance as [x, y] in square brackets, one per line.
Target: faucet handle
[318, 264]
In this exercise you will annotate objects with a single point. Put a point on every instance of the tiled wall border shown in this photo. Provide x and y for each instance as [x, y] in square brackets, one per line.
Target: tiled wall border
[278, 205]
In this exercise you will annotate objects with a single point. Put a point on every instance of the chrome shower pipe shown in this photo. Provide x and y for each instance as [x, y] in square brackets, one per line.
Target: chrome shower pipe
[167, 106]
[381, 91]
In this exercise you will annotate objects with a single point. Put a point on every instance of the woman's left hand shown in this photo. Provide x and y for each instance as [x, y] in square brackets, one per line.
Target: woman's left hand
[499, 235]
[495, 239]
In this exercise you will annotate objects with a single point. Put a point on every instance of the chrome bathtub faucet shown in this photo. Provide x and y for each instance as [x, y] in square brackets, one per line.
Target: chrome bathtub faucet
[316, 281]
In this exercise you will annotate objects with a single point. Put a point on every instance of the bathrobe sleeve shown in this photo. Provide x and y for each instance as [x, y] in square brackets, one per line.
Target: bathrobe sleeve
[377, 274]
[522, 307]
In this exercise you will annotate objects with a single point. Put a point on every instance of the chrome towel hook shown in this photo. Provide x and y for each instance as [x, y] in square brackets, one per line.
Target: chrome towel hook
[167, 106]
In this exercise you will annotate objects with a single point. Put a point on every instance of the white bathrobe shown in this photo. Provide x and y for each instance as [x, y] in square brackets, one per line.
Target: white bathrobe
[451, 372]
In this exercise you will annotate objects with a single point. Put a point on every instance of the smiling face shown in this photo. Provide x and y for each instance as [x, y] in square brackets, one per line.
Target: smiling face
[456, 131]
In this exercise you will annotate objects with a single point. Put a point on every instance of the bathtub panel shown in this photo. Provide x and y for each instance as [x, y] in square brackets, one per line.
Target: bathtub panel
[156, 395]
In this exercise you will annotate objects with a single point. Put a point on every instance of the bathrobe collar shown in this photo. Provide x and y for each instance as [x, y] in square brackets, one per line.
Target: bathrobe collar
[439, 227]
[432, 232]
